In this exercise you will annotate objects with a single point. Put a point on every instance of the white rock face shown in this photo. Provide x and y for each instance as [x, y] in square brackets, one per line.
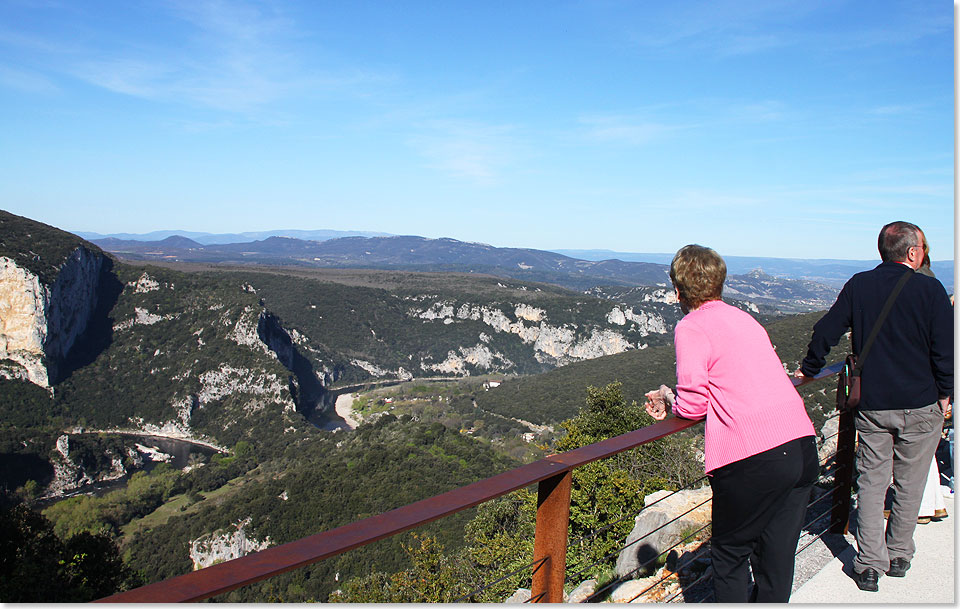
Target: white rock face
[144, 284]
[645, 322]
[154, 454]
[552, 344]
[142, 317]
[377, 371]
[221, 546]
[479, 356]
[244, 330]
[217, 384]
[666, 296]
[529, 313]
[39, 323]
[23, 327]
[601, 342]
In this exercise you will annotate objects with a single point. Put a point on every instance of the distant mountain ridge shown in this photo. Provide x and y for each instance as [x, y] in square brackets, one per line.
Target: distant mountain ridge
[220, 238]
[412, 253]
[827, 271]
[830, 271]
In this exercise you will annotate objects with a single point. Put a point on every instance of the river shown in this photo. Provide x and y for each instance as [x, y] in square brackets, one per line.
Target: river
[178, 450]
[327, 416]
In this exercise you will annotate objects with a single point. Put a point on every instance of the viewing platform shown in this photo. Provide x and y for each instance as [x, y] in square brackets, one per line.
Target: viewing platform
[931, 578]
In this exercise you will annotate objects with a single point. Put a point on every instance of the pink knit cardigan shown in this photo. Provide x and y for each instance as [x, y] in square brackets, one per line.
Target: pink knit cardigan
[729, 373]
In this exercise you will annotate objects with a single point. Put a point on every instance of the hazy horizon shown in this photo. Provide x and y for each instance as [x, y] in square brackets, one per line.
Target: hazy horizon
[667, 256]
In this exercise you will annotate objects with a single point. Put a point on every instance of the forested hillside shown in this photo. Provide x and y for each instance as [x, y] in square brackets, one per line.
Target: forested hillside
[325, 483]
[246, 360]
[558, 394]
[35, 246]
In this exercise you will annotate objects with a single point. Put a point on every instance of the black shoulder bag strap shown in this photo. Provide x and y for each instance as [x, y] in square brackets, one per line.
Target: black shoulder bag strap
[882, 318]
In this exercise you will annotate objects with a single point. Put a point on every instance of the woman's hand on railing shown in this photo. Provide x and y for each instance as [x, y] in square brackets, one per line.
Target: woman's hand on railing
[659, 401]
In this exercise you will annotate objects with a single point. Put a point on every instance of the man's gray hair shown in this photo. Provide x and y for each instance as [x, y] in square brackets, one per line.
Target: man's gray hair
[896, 239]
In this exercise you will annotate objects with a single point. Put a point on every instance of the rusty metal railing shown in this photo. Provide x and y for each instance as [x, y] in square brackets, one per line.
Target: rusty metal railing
[552, 475]
[688, 589]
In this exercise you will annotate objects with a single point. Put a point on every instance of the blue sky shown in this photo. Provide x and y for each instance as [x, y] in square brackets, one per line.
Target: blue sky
[767, 128]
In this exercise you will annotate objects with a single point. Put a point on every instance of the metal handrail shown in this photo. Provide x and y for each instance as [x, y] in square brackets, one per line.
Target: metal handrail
[551, 523]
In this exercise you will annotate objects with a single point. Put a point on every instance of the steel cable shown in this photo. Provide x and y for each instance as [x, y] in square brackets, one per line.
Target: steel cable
[487, 586]
[652, 560]
[638, 540]
[690, 586]
[666, 577]
[818, 536]
[607, 527]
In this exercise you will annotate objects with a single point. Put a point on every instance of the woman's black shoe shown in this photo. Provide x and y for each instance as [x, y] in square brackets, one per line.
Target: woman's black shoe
[868, 580]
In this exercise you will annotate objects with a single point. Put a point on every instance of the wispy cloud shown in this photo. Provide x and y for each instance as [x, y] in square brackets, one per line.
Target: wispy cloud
[762, 111]
[627, 130]
[699, 200]
[238, 57]
[229, 57]
[656, 123]
[896, 109]
[128, 76]
[467, 150]
[30, 82]
[727, 28]
[32, 43]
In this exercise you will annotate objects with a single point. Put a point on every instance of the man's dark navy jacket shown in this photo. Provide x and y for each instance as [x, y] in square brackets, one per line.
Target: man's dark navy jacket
[911, 362]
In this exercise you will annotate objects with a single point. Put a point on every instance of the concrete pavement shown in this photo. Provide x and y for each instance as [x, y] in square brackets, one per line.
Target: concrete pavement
[931, 578]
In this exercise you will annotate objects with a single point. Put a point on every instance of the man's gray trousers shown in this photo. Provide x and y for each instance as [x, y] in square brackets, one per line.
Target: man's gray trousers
[897, 443]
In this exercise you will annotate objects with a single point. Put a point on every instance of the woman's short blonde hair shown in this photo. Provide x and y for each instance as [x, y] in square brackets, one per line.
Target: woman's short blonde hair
[698, 274]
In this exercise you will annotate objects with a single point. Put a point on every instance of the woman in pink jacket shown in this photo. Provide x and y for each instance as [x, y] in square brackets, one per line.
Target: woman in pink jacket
[759, 448]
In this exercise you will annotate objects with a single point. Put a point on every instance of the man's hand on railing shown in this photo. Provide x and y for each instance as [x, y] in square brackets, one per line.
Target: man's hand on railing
[658, 402]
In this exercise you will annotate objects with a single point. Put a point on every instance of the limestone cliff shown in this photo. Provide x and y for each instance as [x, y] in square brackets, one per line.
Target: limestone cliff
[221, 546]
[40, 321]
[552, 344]
[70, 473]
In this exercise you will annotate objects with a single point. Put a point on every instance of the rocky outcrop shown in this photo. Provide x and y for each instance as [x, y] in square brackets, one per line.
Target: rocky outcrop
[664, 295]
[228, 380]
[522, 595]
[554, 345]
[40, 322]
[221, 546]
[646, 323]
[478, 357]
[582, 592]
[376, 371]
[69, 475]
[652, 535]
[306, 385]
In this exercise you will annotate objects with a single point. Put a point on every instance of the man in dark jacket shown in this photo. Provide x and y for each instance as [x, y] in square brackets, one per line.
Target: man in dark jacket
[906, 387]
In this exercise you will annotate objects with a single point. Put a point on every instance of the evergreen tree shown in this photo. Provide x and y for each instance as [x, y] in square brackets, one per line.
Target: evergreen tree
[81, 569]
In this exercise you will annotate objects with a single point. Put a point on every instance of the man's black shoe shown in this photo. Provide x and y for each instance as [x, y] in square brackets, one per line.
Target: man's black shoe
[898, 567]
[868, 580]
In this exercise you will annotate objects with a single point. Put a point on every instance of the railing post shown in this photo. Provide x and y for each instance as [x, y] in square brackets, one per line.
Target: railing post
[550, 543]
[843, 478]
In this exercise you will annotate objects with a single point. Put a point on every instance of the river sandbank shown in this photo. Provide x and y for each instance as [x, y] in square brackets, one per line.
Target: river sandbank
[344, 408]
